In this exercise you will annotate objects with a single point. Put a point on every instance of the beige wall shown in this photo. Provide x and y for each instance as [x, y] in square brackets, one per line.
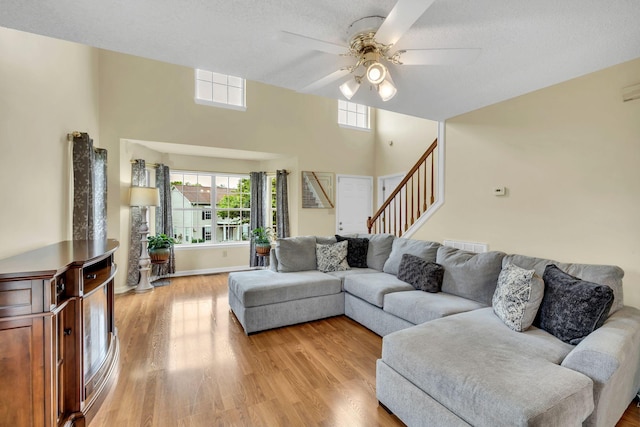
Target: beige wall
[48, 88]
[147, 100]
[569, 156]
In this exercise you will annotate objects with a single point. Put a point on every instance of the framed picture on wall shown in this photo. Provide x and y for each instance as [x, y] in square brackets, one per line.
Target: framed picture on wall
[318, 190]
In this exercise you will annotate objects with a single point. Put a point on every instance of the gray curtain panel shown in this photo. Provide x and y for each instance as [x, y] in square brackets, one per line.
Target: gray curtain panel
[258, 211]
[164, 219]
[138, 179]
[89, 190]
[282, 204]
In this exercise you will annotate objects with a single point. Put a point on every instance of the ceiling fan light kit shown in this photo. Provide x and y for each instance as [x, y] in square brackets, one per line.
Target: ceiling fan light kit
[370, 40]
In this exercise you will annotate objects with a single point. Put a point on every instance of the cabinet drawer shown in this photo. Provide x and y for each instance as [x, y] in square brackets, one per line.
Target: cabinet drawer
[21, 297]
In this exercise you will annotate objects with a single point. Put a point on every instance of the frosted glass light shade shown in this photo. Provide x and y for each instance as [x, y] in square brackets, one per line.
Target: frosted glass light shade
[349, 88]
[144, 196]
[376, 73]
[387, 89]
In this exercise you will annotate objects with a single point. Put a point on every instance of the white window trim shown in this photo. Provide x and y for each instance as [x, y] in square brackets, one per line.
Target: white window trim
[219, 104]
[346, 126]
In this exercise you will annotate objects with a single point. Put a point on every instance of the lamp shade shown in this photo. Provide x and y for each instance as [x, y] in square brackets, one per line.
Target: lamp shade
[376, 73]
[387, 89]
[349, 88]
[144, 196]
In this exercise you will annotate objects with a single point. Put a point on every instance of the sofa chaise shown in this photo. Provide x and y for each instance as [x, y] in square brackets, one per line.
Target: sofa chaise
[452, 355]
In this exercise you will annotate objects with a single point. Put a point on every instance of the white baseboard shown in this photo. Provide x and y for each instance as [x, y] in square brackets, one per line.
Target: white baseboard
[210, 271]
[124, 289]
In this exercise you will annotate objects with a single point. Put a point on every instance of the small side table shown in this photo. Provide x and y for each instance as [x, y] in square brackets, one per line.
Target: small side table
[263, 261]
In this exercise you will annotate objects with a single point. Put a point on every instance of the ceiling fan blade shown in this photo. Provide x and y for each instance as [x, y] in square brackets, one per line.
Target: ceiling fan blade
[439, 56]
[324, 81]
[403, 15]
[312, 44]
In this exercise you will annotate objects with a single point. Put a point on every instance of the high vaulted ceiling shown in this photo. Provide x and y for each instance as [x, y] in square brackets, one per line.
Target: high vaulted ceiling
[526, 45]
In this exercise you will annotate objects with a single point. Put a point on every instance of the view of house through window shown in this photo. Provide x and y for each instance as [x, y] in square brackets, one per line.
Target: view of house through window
[210, 208]
[353, 115]
[219, 89]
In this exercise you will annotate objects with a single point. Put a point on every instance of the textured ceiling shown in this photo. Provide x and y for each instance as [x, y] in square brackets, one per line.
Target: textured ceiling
[526, 45]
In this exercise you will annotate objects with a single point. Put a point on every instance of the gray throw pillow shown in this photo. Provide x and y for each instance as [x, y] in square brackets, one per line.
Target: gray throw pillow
[357, 249]
[470, 275]
[572, 308]
[332, 257]
[420, 273]
[296, 254]
[420, 248]
[379, 249]
[517, 297]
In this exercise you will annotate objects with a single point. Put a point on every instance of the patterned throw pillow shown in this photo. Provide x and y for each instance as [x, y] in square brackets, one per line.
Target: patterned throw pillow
[517, 297]
[332, 257]
[572, 308]
[357, 249]
[420, 273]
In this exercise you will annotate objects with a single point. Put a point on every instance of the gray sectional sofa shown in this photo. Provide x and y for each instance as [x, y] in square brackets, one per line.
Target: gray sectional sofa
[448, 357]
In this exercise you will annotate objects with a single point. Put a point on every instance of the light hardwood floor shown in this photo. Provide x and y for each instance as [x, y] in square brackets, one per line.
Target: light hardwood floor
[185, 361]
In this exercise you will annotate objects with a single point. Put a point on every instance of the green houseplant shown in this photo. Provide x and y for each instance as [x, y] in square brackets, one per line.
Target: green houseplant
[159, 248]
[262, 238]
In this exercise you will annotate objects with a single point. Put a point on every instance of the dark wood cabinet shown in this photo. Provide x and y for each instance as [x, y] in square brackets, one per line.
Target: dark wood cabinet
[58, 341]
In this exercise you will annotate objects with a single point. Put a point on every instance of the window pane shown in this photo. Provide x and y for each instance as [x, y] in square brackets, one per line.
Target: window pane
[220, 93]
[219, 78]
[342, 105]
[351, 118]
[351, 106]
[361, 122]
[204, 90]
[203, 75]
[235, 96]
[342, 117]
[235, 81]
[361, 108]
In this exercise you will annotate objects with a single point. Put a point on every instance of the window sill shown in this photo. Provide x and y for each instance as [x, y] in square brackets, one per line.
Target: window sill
[354, 127]
[196, 246]
[220, 104]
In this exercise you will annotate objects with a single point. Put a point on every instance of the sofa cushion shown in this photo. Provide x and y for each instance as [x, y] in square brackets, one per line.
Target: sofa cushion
[609, 275]
[296, 254]
[420, 248]
[420, 273]
[572, 308]
[379, 249]
[325, 240]
[356, 251]
[517, 297]
[373, 287]
[419, 307]
[469, 274]
[490, 375]
[261, 287]
[332, 257]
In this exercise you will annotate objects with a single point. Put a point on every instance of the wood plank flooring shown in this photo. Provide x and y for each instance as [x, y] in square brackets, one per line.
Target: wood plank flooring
[185, 361]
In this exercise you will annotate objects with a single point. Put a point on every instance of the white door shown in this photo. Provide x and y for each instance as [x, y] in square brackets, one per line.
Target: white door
[386, 185]
[354, 203]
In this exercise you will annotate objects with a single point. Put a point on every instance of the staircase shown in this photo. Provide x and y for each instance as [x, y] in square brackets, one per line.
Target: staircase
[412, 198]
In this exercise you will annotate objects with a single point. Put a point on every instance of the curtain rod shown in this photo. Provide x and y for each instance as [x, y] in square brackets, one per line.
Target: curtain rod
[151, 165]
[74, 134]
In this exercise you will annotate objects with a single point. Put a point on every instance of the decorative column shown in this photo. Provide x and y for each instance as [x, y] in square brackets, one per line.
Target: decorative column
[143, 197]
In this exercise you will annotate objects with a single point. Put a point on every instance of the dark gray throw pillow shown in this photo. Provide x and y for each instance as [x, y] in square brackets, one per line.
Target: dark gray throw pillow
[572, 308]
[420, 273]
[357, 249]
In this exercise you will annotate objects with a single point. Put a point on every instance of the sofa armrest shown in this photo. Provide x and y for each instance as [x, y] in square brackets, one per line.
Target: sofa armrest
[613, 346]
[273, 260]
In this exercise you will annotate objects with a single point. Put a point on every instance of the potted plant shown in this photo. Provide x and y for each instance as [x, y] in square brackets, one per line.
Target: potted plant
[262, 239]
[159, 248]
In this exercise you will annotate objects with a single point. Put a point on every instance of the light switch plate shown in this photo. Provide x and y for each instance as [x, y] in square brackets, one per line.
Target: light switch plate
[499, 191]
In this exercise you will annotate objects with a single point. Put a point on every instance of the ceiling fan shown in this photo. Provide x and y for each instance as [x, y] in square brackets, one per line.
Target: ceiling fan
[370, 43]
